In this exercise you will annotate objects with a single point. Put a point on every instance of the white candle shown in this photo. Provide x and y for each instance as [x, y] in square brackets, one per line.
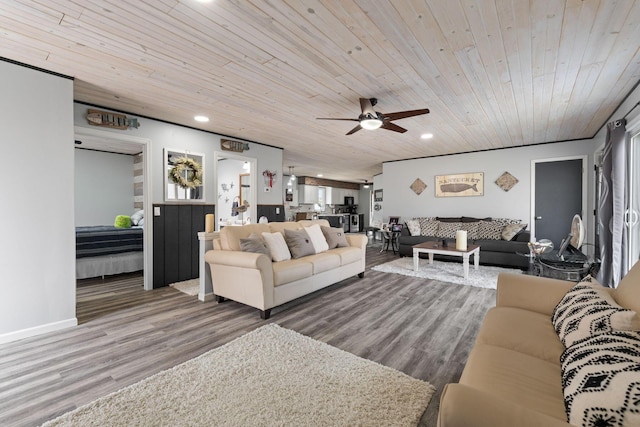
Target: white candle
[461, 240]
[208, 221]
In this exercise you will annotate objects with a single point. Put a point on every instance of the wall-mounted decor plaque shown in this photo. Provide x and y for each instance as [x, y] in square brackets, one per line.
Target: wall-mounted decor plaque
[460, 185]
[418, 186]
[506, 181]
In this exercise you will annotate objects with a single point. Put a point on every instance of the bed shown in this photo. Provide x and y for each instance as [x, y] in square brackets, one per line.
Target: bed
[106, 250]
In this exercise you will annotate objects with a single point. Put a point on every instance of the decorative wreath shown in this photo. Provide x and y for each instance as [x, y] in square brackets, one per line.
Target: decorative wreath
[193, 169]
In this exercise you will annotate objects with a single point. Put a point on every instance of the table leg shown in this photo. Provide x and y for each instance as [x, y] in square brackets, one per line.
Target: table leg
[476, 259]
[416, 259]
[465, 265]
[430, 257]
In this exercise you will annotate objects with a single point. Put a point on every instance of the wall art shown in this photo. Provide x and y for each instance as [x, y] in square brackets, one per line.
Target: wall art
[418, 186]
[183, 176]
[460, 185]
[506, 181]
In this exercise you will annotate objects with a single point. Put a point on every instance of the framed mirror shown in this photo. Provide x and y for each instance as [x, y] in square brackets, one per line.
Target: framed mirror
[183, 176]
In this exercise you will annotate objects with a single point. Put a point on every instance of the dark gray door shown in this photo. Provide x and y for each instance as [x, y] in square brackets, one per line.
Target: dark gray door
[558, 198]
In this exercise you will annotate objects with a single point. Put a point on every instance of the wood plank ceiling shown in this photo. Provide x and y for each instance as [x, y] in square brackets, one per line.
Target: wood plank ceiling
[494, 74]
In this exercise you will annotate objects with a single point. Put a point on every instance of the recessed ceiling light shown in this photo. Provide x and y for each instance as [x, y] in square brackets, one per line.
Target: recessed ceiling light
[426, 136]
[202, 119]
[319, 175]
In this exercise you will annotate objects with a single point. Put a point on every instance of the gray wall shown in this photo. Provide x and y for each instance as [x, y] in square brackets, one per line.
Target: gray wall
[400, 200]
[164, 135]
[103, 187]
[37, 255]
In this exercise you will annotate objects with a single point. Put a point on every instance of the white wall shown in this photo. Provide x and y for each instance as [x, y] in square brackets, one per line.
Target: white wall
[37, 255]
[166, 135]
[103, 187]
[400, 200]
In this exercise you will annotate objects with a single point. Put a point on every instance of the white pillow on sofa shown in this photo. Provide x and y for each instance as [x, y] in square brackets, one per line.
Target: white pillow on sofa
[277, 246]
[317, 238]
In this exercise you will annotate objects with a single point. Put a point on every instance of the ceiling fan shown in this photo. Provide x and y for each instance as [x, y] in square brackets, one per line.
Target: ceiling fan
[370, 119]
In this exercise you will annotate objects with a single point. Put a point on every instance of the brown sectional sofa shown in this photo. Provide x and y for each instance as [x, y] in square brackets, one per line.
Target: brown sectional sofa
[513, 374]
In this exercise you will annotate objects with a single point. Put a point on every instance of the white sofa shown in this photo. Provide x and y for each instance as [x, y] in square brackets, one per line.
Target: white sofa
[253, 279]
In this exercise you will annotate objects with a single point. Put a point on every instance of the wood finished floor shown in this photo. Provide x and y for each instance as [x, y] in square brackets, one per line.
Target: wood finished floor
[421, 327]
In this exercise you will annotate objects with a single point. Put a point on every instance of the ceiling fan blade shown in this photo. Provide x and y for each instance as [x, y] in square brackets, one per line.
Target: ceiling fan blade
[332, 118]
[405, 114]
[366, 107]
[392, 126]
[354, 130]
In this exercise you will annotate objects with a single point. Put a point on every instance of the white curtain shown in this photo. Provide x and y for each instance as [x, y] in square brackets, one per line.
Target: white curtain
[612, 205]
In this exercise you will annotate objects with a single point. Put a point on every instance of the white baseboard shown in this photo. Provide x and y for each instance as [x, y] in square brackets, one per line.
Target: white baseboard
[37, 330]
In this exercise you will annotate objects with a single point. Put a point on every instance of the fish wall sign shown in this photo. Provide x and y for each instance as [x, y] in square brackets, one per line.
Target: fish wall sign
[460, 185]
[111, 120]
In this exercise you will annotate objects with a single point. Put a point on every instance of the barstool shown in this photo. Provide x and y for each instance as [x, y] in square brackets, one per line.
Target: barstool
[371, 233]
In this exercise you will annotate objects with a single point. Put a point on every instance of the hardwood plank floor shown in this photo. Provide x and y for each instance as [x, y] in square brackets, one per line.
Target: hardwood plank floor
[421, 327]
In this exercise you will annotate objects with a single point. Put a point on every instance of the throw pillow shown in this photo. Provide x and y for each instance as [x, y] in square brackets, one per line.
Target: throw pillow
[588, 310]
[299, 243]
[122, 221]
[277, 246]
[471, 228]
[490, 230]
[256, 244]
[136, 217]
[447, 230]
[428, 227]
[601, 380]
[413, 225]
[510, 231]
[317, 238]
[335, 237]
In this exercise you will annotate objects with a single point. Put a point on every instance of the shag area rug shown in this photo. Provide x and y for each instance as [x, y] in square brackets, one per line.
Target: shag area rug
[189, 287]
[452, 272]
[271, 376]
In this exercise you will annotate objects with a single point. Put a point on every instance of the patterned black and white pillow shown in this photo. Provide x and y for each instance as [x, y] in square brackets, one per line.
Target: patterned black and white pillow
[601, 380]
[471, 228]
[490, 230]
[428, 226]
[588, 310]
[447, 230]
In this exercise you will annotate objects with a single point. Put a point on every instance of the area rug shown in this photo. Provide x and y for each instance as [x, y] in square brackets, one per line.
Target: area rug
[189, 287]
[271, 376]
[485, 277]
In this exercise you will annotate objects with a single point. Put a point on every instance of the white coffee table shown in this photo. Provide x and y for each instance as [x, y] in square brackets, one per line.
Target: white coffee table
[432, 248]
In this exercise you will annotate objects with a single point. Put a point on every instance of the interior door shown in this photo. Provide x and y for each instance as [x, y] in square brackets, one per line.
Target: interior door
[558, 197]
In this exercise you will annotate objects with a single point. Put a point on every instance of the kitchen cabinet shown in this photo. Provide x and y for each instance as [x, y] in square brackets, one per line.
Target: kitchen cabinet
[311, 194]
[307, 194]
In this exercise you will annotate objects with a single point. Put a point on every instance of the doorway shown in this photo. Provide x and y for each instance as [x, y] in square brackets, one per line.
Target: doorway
[235, 184]
[112, 142]
[558, 194]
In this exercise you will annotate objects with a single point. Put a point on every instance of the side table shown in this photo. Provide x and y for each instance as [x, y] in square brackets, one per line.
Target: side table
[389, 238]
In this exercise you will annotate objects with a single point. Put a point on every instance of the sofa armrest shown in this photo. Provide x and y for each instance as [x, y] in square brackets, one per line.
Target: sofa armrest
[238, 259]
[533, 293]
[244, 277]
[357, 240]
[464, 406]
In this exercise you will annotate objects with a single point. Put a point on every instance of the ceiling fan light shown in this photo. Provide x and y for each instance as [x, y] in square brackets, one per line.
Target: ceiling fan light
[370, 124]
